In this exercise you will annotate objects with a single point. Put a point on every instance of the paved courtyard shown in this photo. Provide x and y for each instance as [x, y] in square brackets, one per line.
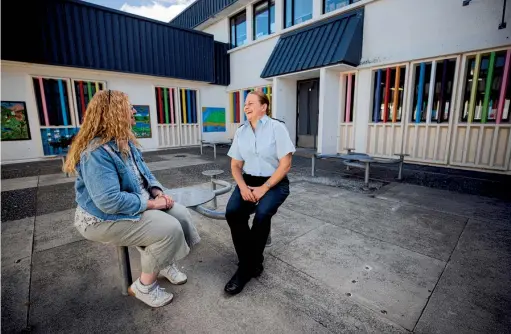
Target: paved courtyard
[397, 258]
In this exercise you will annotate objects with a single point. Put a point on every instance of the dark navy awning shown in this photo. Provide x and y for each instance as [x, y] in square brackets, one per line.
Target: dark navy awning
[333, 41]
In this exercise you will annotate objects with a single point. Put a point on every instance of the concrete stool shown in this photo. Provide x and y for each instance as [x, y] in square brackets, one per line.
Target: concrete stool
[213, 173]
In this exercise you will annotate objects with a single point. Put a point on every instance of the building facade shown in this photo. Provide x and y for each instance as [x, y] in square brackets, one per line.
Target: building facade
[430, 78]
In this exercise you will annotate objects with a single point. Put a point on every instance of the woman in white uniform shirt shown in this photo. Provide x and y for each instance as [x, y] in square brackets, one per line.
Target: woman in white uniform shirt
[261, 155]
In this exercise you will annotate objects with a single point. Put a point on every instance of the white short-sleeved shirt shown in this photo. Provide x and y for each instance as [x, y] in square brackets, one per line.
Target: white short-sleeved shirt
[261, 149]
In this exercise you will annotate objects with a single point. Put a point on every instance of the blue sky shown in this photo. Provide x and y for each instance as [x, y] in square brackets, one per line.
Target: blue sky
[162, 10]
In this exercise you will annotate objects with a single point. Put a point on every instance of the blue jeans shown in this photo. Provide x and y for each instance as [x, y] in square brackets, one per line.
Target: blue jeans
[250, 242]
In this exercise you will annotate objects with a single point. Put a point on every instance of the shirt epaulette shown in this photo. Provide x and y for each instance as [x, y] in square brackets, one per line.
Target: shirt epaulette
[281, 121]
[241, 125]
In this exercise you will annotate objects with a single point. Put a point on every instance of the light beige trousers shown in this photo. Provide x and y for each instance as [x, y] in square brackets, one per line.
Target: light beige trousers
[161, 237]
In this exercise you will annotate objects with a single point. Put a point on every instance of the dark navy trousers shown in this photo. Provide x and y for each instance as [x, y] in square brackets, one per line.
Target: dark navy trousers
[250, 242]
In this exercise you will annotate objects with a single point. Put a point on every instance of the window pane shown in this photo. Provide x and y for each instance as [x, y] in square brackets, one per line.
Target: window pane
[261, 20]
[288, 19]
[302, 11]
[239, 30]
[331, 5]
[272, 17]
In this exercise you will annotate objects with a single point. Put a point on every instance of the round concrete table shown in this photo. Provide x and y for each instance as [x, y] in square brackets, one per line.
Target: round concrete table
[191, 197]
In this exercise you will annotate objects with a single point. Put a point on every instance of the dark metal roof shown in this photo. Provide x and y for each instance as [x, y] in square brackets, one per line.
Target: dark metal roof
[199, 12]
[333, 41]
[79, 34]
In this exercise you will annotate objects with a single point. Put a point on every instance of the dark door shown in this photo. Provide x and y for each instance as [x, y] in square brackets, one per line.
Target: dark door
[307, 113]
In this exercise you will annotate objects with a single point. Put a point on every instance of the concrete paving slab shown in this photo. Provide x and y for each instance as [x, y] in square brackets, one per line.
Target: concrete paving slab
[474, 293]
[55, 198]
[89, 299]
[18, 204]
[17, 236]
[424, 231]
[15, 295]
[51, 179]
[55, 229]
[20, 183]
[386, 278]
[470, 206]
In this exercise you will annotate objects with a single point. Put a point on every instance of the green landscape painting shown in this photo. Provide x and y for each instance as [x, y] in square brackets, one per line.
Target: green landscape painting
[14, 121]
[143, 127]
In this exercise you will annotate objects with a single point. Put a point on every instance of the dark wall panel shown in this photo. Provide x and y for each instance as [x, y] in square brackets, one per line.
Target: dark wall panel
[79, 34]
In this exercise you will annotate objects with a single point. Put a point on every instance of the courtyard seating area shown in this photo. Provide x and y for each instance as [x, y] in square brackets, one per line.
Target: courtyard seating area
[394, 257]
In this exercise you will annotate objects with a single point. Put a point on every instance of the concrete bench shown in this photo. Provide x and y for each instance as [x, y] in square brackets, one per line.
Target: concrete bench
[213, 144]
[361, 160]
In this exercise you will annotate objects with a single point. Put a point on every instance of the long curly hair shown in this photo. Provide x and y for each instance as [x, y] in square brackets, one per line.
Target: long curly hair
[107, 118]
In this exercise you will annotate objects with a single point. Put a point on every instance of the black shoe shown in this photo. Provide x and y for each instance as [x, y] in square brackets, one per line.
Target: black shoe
[258, 270]
[237, 283]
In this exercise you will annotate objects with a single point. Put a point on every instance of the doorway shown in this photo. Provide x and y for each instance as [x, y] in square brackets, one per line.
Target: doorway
[307, 113]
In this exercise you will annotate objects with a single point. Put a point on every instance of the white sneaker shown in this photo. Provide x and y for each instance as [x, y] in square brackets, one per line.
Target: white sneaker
[153, 295]
[174, 275]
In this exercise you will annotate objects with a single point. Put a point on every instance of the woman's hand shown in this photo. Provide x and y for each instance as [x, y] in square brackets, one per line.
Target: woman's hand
[162, 202]
[247, 194]
[258, 192]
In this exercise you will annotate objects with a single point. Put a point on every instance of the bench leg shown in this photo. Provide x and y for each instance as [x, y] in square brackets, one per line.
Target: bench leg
[213, 187]
[400, 172]
[366, 177]
[214, 151]
[313, 166]
[124, 268]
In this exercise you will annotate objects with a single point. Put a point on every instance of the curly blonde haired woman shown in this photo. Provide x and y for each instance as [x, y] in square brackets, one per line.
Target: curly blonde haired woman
[120, 202]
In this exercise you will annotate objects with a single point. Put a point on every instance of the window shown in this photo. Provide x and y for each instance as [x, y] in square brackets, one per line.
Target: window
[331, 5]
[235, 106]
[388, 94]
[297, 11]
[443, 81]
[264, 18]
[239, 29]
[487, 92]
[53, 102]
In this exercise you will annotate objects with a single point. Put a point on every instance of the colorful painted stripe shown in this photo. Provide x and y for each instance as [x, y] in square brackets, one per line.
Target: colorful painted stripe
[503, 87]
[475, 78]
[422, 78]
[171, 102]
[82, 99]
[63, 102]
[487, 90]
[395, 102]
[43, 102]
[387, 95]
[440, 112]
[377, 98]
[348, 100]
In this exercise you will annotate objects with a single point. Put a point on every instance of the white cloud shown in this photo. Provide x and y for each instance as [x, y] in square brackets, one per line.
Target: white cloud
[162, 10]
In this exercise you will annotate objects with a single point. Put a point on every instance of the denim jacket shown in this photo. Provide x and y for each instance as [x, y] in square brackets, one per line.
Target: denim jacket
[106, 187]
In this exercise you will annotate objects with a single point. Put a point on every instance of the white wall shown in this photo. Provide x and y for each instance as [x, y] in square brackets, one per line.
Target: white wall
[284, 104]
[17, 86]
[220, 30]
[248, 63]
[329, 106]
[215, 96]
[403, 30]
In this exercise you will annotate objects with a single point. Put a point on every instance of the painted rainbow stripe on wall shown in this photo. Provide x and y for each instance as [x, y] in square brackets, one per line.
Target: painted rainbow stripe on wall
[382, 94]
[491, 101]
[234, 101]
[84, 91]
[165, 105]
[188, 106]
[52, 98]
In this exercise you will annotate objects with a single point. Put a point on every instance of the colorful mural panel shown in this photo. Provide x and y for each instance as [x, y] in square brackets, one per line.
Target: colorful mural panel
[142, 128]
[14, 121]
[84, 91]
[165, 105]
[56, 141]
[213, 119]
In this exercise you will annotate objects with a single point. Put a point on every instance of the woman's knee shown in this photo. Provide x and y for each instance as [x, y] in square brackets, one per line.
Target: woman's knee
[164, 225]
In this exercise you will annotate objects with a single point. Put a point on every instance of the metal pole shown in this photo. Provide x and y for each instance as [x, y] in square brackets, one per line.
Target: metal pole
[400, 173]
[214, 150]
[125, 268]
[366, 178]
[313, 165]
[213, 187]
